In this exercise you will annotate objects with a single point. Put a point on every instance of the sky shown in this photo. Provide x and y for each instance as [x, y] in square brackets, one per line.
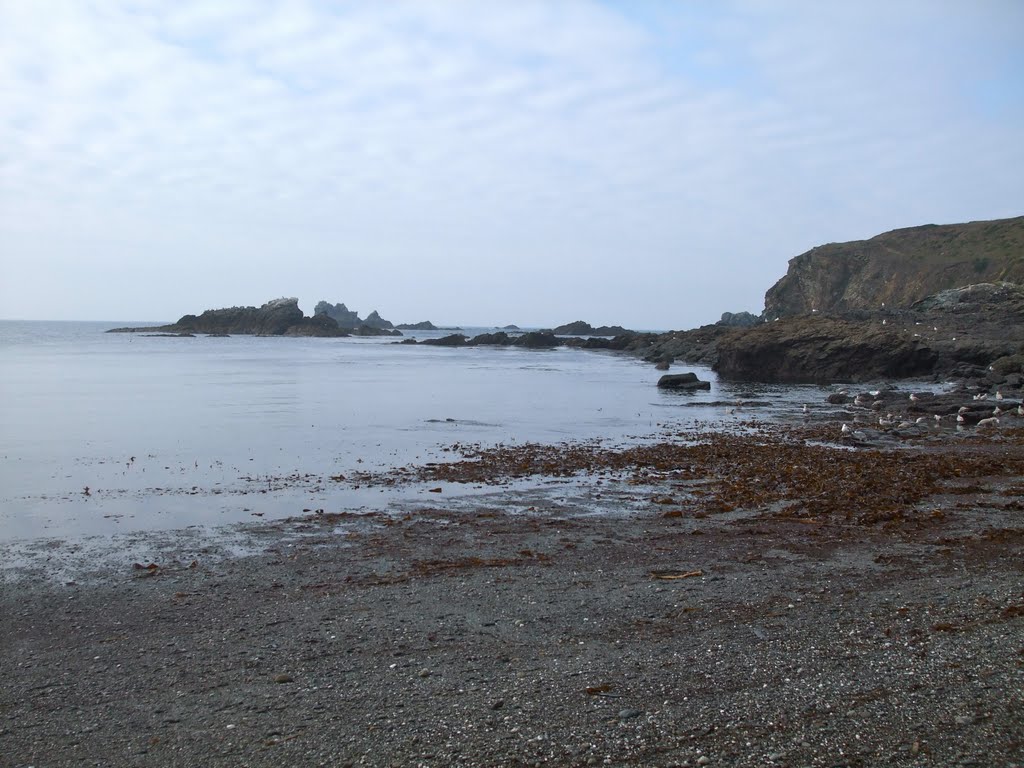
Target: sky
[643, 163]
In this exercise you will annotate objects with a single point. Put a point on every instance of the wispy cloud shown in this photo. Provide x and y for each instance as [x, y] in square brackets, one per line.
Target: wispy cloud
[651, 164]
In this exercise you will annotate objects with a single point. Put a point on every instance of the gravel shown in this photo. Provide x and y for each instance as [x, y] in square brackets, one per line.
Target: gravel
[494, 636]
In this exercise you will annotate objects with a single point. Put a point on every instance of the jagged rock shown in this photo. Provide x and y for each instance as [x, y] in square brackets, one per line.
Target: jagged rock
[280, 317]
[687, 382]
[345, 317]
[581, 328]
[374, 320]
[739, 320]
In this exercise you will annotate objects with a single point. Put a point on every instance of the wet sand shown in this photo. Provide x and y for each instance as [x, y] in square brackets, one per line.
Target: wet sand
[741, 600]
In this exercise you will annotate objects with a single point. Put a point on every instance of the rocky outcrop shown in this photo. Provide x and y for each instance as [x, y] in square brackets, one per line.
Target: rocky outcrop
[819, 350]
[426, 325]
[281, 317]
[531, 340]
[970, 332]
[739, 320]
[349, 319]
[345, 317]
[896, 269]
[581, 328]
[374, 320]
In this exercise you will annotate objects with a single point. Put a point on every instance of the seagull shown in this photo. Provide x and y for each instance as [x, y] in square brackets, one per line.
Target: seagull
[999, 395]
[914, 398]
[806, 409]
[992, 421]
[964, 409]
[1020, 410]
[885, 423]
[875, 392]
[960, 418]
[998, 411]
[920, 420]
[847, 429]
[938, 418]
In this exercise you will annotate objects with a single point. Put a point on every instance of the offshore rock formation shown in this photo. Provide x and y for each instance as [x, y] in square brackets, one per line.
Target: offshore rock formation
[581, 328]
[280, 317]
[895, 269]
[349, 319]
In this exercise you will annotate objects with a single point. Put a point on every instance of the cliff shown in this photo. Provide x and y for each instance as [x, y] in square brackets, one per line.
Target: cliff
[898, 268]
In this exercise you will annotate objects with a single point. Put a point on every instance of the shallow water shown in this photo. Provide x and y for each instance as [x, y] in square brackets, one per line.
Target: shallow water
[103, 433]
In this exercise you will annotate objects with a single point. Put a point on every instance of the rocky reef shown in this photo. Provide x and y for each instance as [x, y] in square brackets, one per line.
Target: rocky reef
[280, 317]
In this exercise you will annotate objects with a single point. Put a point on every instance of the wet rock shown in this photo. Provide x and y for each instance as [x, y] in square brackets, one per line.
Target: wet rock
[686, 382]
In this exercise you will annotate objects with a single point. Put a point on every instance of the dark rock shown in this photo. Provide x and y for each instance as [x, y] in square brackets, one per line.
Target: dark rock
[663, 365]
[426, 325]
[538, 340]
[683, 381]
[345, 317]
[838, 398]
[739, 320]
[452, 340]
[580, 328]
[374, 320]
[821, 350]
[275, 318]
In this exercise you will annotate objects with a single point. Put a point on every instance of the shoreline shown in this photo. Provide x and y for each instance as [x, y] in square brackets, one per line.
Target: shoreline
[709, 619]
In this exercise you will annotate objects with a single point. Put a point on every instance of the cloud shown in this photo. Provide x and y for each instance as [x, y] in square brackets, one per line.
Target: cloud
[657, 163]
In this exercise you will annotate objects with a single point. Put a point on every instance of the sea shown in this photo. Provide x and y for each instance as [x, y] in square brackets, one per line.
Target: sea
[105, 433]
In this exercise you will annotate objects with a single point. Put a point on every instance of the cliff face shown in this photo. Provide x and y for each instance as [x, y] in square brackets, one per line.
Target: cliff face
[899, 268]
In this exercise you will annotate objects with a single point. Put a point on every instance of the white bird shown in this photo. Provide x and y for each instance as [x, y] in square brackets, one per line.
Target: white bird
[847, 429]
[991, 421]
[960, 418]
[806, 409]
[913, 398]
[861, 401]
[999, 395]
[920, 420]
[963, 409]
[885, 423]
[1020, 410]
[998, 411]
[938, 418]
[875, 392]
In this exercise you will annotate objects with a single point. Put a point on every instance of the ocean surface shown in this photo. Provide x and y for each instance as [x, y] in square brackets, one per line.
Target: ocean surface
[108, 433]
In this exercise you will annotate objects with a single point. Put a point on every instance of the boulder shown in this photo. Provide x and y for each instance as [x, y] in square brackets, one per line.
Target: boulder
[686, 382]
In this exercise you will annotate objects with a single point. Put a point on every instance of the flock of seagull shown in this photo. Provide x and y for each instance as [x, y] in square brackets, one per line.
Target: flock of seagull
[979, 417]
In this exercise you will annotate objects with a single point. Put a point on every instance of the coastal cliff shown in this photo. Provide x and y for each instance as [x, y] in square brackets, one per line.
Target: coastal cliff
[895, 269]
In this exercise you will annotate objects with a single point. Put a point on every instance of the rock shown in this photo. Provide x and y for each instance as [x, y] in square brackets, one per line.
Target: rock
[374, 320]
[537, 340]
[895, 269]
[281, 317]
[426, 325]
[821, 350]
[663, 365]
[629, 714]
[581, 328]
[838, 398]
[452, 340]
[682, 381]
[345, 317]
[284, 678]
[739, 320]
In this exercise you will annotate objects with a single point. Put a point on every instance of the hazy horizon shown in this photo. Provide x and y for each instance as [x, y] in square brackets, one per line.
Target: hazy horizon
[647, 164]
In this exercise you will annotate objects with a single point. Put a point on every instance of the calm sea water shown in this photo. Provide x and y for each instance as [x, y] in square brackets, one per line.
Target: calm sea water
[171, 432]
